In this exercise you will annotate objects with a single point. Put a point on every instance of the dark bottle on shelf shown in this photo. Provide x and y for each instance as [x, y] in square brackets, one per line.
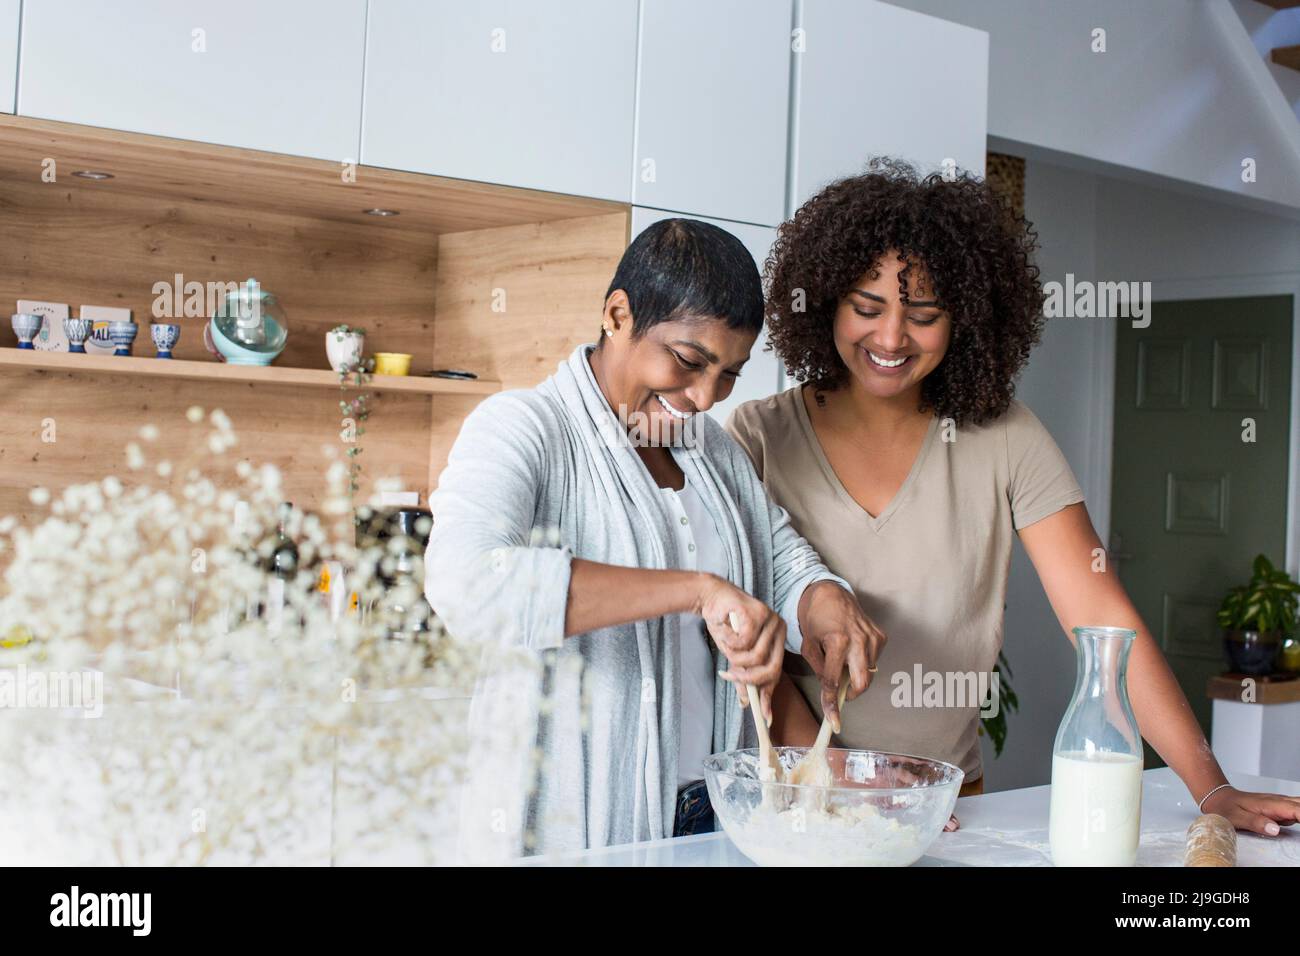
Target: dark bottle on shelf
[283, 562]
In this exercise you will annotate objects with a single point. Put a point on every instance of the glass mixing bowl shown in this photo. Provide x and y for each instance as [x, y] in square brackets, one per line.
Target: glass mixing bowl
[882, 809]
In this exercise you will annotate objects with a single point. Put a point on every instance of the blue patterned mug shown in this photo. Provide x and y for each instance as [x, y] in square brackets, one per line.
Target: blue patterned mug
[27, 327]
[77, 331]
[121, 332]
[165, 336]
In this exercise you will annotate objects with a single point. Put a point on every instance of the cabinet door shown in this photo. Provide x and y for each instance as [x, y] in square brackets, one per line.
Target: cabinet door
[515, 92]
[762, 375]
[713, 103]
[283, 76]
[9, 16]
[875, 79]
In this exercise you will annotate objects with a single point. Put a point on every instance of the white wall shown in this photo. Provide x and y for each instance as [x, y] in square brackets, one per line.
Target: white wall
[1181, 91]
[1062, 391]
[1106, 229]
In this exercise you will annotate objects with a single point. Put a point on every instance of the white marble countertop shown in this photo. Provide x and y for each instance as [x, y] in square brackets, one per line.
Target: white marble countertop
[1001, 829]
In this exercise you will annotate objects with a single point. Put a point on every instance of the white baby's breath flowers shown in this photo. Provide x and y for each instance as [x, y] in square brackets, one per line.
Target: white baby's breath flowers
[225, 735]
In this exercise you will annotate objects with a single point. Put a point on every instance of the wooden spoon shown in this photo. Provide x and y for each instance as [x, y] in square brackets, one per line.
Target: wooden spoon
[814, 770]
[769, 768]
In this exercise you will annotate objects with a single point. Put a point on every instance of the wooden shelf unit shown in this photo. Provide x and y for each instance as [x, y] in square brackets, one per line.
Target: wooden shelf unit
[251, 374]
[500, 281]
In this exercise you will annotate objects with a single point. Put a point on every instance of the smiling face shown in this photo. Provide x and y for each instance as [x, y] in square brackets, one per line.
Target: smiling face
[675, 370]
[889, 347]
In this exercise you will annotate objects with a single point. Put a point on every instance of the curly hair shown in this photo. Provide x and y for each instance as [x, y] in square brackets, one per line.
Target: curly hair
[976, 251]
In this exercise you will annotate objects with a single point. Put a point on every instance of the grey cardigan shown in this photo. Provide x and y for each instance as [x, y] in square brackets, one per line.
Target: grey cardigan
[535, 478]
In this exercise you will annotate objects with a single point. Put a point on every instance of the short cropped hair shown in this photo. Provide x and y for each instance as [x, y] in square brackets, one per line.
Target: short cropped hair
[684, 268]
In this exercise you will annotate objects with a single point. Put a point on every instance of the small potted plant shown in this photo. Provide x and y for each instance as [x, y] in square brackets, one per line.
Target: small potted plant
[343, 347]
[1257, 617]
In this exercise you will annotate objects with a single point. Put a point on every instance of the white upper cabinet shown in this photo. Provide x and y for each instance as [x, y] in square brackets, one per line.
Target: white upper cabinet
[282, 76]
[875, 79]
[713, 99]
[517, 92]
[9, 14]
[762, 375]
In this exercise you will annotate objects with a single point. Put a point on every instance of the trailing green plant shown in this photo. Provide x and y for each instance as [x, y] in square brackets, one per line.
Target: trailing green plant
[356, 411]
[1268, 603]
[340, 331]
[996, 726]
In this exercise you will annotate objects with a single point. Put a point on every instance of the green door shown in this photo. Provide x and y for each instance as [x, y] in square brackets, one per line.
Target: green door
[1194, 499]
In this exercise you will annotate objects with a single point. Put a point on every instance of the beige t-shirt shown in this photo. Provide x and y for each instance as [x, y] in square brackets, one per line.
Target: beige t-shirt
[930, 570]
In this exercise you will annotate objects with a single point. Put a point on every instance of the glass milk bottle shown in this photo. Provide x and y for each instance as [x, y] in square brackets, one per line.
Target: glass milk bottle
[1097, 759]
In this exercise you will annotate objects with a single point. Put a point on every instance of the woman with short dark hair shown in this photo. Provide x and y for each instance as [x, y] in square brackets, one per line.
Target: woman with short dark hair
[908, 305]
[601, 519]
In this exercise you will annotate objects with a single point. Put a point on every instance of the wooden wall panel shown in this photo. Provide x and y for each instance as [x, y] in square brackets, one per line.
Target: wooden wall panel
[176, 170]
[95, 417]
[553, 275]
[420, 283]
[96, 246]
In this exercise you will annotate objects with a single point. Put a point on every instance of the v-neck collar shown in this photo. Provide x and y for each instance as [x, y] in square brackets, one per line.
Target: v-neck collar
[896, 502]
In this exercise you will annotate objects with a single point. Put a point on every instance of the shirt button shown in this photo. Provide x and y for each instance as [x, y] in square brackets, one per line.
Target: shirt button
[684, 521]
[690, 547]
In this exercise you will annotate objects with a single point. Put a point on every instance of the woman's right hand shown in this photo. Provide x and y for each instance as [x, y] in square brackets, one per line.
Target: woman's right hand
[749, 633]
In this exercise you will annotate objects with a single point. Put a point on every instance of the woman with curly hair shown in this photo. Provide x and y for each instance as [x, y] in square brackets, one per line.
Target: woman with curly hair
[908, 306]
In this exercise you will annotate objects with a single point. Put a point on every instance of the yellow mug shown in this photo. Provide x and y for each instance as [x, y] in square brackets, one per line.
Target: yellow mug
[392, 363]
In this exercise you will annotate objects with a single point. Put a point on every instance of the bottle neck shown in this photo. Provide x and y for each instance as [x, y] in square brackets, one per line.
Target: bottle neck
[1103, 655]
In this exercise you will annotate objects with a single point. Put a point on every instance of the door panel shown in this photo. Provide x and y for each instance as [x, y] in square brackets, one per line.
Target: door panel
[1193, 502]
[514, 92]
[284, 76]
[876, 79]
[713, 103]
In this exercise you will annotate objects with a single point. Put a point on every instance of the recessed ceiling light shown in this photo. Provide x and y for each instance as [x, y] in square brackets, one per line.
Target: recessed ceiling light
[92, 174]
[381, 212]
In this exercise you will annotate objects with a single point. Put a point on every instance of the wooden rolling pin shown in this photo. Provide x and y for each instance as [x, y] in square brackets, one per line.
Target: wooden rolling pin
[1211, 841]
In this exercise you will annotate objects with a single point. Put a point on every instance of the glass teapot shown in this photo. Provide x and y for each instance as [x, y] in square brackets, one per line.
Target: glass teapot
[249, 327]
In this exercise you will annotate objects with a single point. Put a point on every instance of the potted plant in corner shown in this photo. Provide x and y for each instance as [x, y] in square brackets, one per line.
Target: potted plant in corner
[1257, 617]
[343, 347]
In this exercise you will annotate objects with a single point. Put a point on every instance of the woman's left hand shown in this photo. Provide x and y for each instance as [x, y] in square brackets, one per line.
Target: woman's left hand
[1257, 812]
[837, 634]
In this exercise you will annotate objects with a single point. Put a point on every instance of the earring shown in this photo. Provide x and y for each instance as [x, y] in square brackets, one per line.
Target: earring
[608, 331]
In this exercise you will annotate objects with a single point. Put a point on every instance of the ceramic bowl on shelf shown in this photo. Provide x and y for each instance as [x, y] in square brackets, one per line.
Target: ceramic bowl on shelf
[249, 327]
[77, 331]
[165, 336]
[343, 350]
[122, 332]
[27, 327]
[392, 363]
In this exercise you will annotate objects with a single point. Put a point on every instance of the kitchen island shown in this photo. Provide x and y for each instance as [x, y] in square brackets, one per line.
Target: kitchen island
[999, 829]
